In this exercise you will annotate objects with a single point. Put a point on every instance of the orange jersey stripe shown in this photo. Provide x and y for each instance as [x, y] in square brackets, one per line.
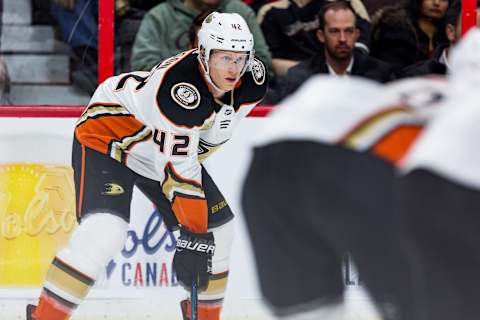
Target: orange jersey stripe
[395, 144]
[192, 213]
[376, 116]
[98, 133]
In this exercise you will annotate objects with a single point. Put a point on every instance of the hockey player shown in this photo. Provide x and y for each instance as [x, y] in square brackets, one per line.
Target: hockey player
[321, 184]
[153, 130]
[440, 195]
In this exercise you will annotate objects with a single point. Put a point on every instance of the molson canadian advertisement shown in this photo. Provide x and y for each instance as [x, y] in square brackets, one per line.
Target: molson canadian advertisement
[37, 212]
[37, 206]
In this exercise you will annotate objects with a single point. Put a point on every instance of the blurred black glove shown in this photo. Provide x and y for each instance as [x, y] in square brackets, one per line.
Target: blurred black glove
[193, 259]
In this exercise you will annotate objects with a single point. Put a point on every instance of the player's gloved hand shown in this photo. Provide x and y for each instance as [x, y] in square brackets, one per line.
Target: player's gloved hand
[193, 259]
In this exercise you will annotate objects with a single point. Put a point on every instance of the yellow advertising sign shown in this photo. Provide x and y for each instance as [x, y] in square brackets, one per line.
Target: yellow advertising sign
[37, 215]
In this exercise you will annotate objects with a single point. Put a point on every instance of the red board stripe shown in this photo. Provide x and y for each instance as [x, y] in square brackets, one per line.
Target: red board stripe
[25, 111]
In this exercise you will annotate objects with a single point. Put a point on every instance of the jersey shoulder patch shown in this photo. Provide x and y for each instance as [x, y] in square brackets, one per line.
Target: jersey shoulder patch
[253, 86]
[186, 95]
[259, 72]
[183, 96]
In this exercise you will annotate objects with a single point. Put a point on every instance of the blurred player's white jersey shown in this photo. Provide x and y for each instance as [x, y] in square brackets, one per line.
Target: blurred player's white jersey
[448, 146]
[357, 113]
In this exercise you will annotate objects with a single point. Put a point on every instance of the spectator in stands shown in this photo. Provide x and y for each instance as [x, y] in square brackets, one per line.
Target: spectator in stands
[290, 29]
[338, 34]
[4, 83]
[439, 63]
[41, 12]
[193, 31]
[256, 4]
[78, 23]
[408, 33]
[373, 6]
[144, 5]
[164, 30]
[126, 28]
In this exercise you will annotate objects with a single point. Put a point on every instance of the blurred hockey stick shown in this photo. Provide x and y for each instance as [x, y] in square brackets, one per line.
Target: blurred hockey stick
[194, 301]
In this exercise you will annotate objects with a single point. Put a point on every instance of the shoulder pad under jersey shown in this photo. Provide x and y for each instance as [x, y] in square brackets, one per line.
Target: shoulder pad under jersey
[183, 96]
[253, 86]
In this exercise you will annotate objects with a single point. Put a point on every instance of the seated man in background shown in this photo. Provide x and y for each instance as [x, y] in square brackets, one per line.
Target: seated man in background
[338, 33]
[290, 27]
[164, 30]
[439, 63]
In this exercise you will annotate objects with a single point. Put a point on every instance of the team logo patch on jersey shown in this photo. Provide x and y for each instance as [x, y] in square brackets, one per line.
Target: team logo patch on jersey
[258, 72]
[112, 189]
[186, 95]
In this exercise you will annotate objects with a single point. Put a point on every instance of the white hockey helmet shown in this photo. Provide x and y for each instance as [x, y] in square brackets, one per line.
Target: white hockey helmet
[224, 31]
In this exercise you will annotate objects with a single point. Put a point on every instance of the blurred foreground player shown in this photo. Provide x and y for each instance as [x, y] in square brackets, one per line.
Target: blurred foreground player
[440, 195]
[321, 184]
[153, 130]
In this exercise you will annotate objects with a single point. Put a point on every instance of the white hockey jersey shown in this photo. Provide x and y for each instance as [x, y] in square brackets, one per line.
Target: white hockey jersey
[448, 146]
[163, 123]
[356, 113]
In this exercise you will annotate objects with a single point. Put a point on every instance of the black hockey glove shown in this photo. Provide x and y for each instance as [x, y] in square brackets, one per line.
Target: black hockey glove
[193, 259]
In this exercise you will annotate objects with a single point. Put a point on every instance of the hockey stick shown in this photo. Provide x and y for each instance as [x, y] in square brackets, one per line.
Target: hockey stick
[194, 302]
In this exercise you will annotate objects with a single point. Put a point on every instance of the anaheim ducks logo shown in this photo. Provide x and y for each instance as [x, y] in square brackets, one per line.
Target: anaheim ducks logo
[258, 72]
[112, 189]
[186, 95]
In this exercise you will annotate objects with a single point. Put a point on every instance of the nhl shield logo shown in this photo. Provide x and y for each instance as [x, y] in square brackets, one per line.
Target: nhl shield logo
[258, 72]
[186, 95]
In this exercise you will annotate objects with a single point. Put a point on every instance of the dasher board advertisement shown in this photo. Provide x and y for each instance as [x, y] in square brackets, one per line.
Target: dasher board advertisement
[37, 216]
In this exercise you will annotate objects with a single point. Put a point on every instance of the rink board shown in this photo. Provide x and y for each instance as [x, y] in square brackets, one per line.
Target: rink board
[36, 217]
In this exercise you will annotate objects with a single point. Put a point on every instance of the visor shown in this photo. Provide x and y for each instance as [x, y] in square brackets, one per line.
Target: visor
[226, 60]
